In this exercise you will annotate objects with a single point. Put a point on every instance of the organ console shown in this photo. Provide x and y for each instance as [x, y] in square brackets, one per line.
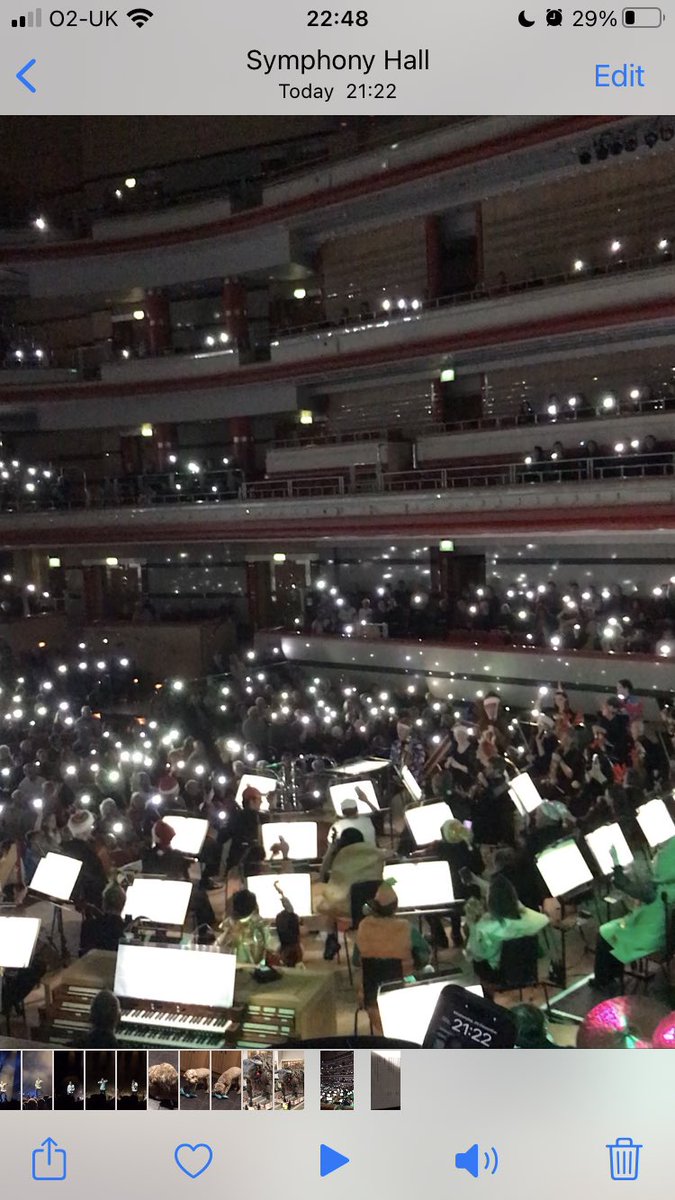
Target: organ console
[297, 1006]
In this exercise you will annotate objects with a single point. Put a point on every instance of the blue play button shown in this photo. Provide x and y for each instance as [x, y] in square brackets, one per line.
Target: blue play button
[331, 1160]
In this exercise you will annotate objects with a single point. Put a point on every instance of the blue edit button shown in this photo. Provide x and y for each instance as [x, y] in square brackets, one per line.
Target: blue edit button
[625, 75]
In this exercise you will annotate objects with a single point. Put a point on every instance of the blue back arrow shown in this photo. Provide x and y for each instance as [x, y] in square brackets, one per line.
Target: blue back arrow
[21, 75]
[331, 1160]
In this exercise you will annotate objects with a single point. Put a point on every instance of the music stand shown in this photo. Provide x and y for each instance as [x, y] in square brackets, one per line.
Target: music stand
[425, 823]
[410, 784]
[55, 878]
[421, 887]
[264, 784]
[407, 1008]
[302, 838]
[18, 938]
[190, 834]
[165, 974]
[600, 843]
[656, 823]
[158, 901]
[566, 874]
[339, 792]
[296, 888]
[524, 794]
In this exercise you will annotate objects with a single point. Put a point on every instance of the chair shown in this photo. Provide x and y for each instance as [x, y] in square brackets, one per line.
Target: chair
[359, 895]
[518, 967]
[375, 972]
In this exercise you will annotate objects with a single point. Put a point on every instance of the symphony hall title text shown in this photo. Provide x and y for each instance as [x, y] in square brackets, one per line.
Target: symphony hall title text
[358, 65]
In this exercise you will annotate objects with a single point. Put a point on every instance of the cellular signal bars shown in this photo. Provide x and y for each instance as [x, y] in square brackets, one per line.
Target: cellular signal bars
[32, 20]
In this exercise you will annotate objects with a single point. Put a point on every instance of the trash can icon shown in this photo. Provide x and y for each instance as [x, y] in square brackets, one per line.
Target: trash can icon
[624, 1159]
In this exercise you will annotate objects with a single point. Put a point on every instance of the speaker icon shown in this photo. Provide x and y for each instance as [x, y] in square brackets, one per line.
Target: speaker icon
[471, 1160]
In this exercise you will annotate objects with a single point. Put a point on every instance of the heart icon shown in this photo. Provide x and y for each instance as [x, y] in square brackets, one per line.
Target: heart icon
[193, 1161]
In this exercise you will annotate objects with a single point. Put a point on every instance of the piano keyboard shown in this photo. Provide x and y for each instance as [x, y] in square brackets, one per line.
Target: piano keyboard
[180, 1021]
[163, 1038]
[147, 1027]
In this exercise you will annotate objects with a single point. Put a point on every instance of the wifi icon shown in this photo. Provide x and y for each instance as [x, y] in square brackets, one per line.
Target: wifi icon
[470, 1160]
[140, 16]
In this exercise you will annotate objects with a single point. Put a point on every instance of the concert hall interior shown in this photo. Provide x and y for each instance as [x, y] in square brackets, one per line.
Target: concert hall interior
[337, 597]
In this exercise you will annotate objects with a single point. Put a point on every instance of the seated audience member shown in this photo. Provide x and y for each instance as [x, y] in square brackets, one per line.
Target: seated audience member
[243, 931]
[104, 1019]
[531, 1028]
[506, 919]
[161, 859]
[642, 931]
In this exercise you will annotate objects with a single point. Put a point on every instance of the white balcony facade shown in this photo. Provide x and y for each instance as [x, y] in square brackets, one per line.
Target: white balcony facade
[467, 672]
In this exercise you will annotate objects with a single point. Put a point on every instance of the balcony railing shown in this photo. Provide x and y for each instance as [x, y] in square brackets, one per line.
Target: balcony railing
[214, 487]
[318, 436]
[414, 310]
[476, 476]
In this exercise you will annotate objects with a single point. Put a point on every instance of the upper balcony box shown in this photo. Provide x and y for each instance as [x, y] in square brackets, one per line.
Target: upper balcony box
[141, 224]
[156, 261]
[339, 454]
[173, 366]
[515, 440]
[525, 314]
[381, 161]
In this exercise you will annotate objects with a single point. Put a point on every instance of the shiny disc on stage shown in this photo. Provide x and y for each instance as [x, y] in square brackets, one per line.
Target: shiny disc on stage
[623, 1023]
[664, 1035]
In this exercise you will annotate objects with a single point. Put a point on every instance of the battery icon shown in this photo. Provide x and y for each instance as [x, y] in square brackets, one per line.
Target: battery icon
[642, 18]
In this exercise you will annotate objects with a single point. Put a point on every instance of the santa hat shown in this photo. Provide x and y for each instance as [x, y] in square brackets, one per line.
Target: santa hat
[163, 834]
[81, 824]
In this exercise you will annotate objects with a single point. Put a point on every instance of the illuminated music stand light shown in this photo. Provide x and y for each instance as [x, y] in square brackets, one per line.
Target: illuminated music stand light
[264, 784]
[296, 888]
[190, 834]
[425, 823]
[564, 869]
[18, 938]
[363, 766]
[158, 901]
[175, 976]
[55, 877]
[406, 1009]
[600, 843]
[524, 794]
[421, 885]
[656, 823]
[411, 785]
[302, 838]
[339, 792]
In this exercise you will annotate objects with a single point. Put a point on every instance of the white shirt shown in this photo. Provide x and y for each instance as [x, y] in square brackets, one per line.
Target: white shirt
[362, 822]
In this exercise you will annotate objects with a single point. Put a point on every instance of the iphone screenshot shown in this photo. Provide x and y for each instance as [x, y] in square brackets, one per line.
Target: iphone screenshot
[337, 599]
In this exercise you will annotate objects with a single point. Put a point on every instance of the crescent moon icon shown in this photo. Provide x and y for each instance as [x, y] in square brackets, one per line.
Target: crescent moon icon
[522, 20]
